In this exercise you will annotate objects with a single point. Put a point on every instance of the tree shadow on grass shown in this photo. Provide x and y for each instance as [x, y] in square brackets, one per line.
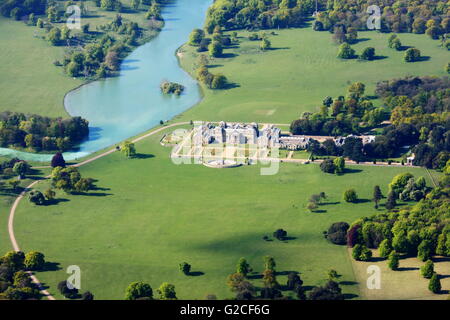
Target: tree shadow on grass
[407, 269]
[286, 239]
[320, 211]
[441, 259]
[279, 48]
[330, 203]
[362, 201]
[143, 156]
[51, 266]
[254, 276]
[361, 40]
[348, 296]
[196, 273]
[212, 66]
[54, 202]
[351, 170]
[379, 58]
[348, 283]
[92, 194]
[231, 85]
[424, 58]
[228, 55]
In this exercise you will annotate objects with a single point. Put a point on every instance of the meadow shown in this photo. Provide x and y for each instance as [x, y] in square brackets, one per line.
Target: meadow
[278, 85]
[147, 215]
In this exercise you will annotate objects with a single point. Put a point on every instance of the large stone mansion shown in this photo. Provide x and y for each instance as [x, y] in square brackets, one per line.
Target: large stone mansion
[268, 136]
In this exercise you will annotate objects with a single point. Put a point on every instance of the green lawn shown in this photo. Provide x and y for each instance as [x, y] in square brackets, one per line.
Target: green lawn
[29, 81]
[301, 70]
[148, 215]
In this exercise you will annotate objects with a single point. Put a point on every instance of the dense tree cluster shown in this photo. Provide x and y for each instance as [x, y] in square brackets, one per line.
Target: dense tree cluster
[171, 87]
[421, 16]
[420, 116]
[341, 116]
[19, 8]
[69, 179]
[41, 133]
[263, 14]
[15, 282]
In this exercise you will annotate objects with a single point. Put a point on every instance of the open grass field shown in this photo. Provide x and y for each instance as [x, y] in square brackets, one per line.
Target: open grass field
[29, 82]
[301, 70]
[148, 215]
[394, 283]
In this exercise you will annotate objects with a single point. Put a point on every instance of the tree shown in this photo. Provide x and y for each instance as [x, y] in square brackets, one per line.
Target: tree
[85, 29]
[196, 37]
[58, 160]
[219, 81]
[427, 270]
[269, 263]
[215, 49]
[293, 281]
[435, 284]
[234, 281]
[377, 195]
[332, 275]
[54, 36]
[391, 201]
[66, 291]
[393, 261]
[185, 268]
[15, 260]
[337, 233]
[34, 260]
[128, 149]
[400, 242]
[361, 253]
[36, 197]
[112, 60]
[243, 267]
[425, 250]
[412, 55]
[350, 195]
[368, 54]
[269, 279]
[339, 164]
[138, 290]
[135, 4]
[166, 291]
[447, 68]
[280, 234]
[87, 296]
[346, 51]
[385, 248]
[311, 206]
[265, 44]
[328, 166]
[21, 168]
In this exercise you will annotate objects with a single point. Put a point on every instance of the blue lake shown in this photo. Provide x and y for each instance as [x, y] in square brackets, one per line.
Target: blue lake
[120, 107]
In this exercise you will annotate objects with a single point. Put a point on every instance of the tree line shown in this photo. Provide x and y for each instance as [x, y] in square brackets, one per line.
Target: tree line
[38, 133]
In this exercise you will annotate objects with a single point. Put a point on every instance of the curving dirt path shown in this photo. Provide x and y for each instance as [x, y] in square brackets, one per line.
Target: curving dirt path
[12, 211]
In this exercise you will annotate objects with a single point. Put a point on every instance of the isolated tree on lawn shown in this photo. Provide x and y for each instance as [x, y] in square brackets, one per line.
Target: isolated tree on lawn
[128, 149]
[427, 270]
[243, 267]
[435, 284]
[377, 195]
[138, 290]
[185, 268]
[167, 291]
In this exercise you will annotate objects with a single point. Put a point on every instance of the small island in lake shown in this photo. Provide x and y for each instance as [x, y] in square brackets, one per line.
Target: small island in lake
[171, 88]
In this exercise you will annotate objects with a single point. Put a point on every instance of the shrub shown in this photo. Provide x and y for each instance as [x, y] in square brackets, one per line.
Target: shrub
[385, 248]
[36, 197]
[350, 195]
[412, 55]
[280, 234]
[34, 260]
[137, 290]
[427, 270]
[337, 233]
[394, 260]
[328, 166]
[435, 284]
[346, 51]
[185, 268]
